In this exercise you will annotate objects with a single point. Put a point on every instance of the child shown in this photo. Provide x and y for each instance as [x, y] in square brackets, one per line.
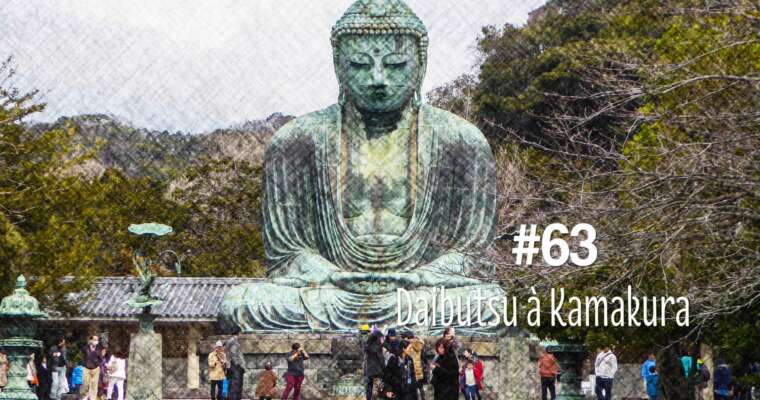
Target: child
[652, 383]
[468, 381]
[77, 377]
[267, 387]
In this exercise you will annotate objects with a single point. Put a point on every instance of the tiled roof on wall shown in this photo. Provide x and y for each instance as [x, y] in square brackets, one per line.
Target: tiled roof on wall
[184, 299]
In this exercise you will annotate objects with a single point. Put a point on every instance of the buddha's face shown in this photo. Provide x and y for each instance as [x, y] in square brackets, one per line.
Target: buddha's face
[379, 72]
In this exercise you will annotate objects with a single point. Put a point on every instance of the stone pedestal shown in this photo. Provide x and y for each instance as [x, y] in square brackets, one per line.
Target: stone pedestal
[145, 368]
[18, 314]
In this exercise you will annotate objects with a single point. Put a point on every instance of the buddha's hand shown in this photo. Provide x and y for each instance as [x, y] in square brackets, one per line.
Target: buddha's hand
[374, 282]
[306, 270]
[448, 271]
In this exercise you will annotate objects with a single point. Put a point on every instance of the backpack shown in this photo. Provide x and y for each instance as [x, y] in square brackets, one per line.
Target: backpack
[704, 374]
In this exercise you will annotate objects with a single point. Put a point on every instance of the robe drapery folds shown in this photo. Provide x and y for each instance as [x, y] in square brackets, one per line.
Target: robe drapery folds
[454, 211]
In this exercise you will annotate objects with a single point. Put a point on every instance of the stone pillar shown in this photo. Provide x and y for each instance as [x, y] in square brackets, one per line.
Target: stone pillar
[145, 368]
[193, 360]
[514, 360]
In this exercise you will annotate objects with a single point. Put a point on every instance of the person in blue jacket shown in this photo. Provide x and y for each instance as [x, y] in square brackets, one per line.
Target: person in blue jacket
[653, 381]
[722, 380]
[77, 377]
[648, 363]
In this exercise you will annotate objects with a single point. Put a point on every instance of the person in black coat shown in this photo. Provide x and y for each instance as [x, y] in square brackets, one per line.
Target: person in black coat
[374, 363]
[399, 382]
[445, 379]
[44, 376]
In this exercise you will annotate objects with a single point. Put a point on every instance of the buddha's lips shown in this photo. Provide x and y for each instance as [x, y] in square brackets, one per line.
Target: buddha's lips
[379, 95]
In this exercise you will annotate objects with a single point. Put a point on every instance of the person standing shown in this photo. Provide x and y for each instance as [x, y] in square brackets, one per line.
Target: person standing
[648, 363]
[31, 372]
[704, 378]
[44, 378]
[399, 382]
[58, 356]
[267, 387]
[295, 373]
[548, 369]
[417, 353]
[653, 381]
[103, 381]
[217, 361]
[374, 363]
[77, 378]
[117, 374]
[722, 380]
[4, 366]
[478, 370]
[236, 367]
[469, 382]
[686, 363]
[445, 371]
[91, 358]
[605, 368]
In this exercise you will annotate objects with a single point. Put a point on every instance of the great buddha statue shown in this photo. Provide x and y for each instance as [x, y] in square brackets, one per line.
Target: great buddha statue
[376, 193]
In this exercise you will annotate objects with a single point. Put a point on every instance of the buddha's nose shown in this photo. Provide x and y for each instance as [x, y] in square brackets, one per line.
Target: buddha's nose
[378, 78]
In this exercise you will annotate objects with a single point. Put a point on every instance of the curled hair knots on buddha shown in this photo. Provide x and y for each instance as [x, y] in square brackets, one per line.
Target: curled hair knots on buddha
[381, 17]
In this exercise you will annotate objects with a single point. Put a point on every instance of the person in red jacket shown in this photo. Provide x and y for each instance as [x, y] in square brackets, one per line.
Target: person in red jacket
[548, 369]
[477, 367]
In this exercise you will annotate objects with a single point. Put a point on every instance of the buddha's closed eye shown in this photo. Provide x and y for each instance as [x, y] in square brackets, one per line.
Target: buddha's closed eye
[360, 65]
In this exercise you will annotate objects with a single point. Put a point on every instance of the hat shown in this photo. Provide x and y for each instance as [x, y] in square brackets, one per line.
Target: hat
[408, 334]
[364, 328]
[392, 332]
[219, 344]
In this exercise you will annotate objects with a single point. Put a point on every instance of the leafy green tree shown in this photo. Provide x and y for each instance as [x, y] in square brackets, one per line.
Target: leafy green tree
[223, 235]
[32, 169]
[641, 119]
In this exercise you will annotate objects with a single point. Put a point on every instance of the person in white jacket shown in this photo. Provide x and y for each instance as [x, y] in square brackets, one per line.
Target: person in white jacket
[605, 369]
[117, 374]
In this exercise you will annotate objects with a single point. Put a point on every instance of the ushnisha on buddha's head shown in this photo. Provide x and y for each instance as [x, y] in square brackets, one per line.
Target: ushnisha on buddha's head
[380, 56]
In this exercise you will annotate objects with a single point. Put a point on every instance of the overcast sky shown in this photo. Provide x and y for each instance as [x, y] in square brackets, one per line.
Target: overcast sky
[199, 65]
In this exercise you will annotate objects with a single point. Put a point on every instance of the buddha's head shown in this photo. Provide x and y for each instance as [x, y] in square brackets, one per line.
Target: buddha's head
[380, 55]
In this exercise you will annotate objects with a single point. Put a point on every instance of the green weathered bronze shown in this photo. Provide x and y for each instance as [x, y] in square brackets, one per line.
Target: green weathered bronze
[570, 358]
[144, 300]
[17, 320]
[375, 193]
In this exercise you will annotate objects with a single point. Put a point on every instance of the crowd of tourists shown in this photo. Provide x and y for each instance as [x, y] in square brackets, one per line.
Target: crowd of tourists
[396, 366]
[697, 374]
[51, 374]
[400, 367]
[226, 370]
